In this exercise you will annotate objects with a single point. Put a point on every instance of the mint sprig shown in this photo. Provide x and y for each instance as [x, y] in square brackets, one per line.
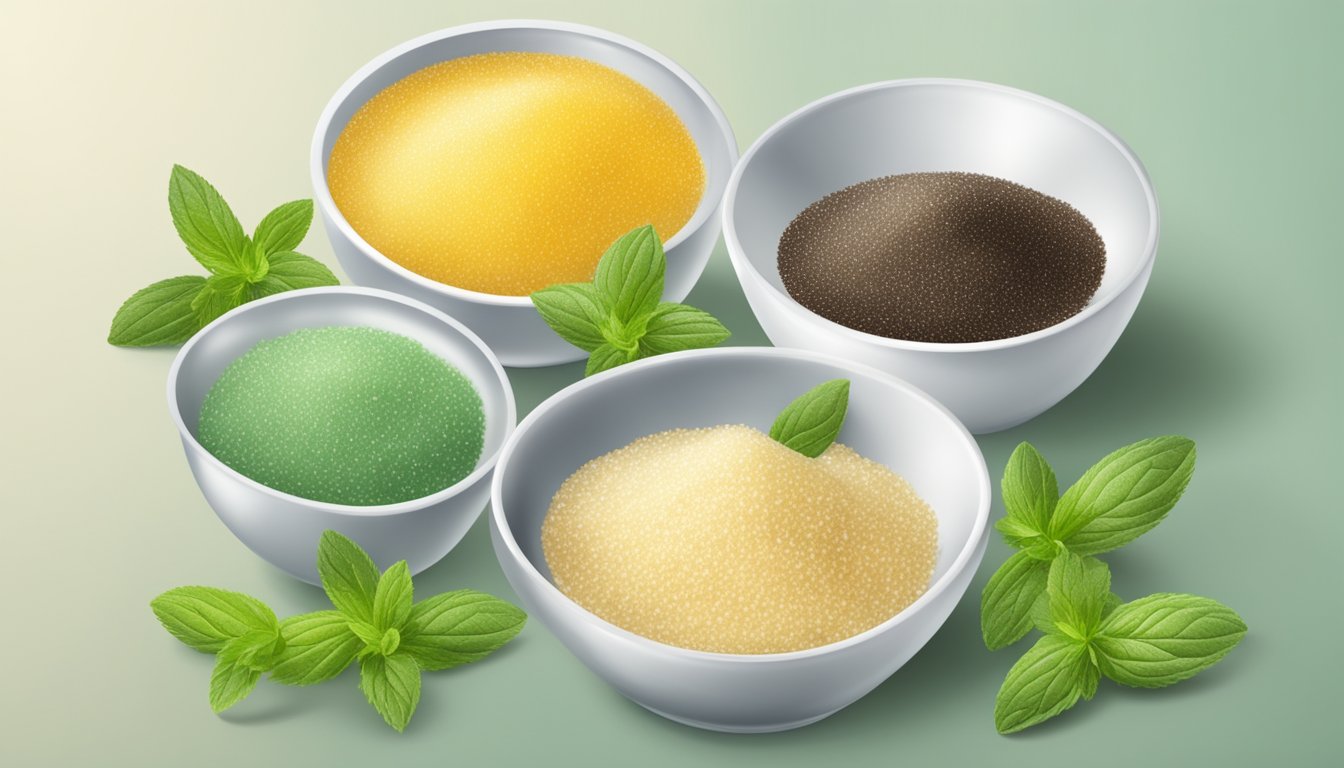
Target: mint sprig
[241, 268]
[376, 622]
[811, 422]
[618, 317]
[1055, 584]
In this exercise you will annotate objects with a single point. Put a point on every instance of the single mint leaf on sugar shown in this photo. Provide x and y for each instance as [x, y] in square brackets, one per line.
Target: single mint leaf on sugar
[393, 598]
[630, 274]
[284, 228]
[575, 311]
[348, 575]
[232, 680]
[289, 271]
[1124, 495]
[158, 315]
[458, 628]
[317, 647]
[392, 686]
[220, 294]
[206, 618]
[205, 222]
[1030, 492]
[605, 357]
[1078, 588]
[1165, 638]
[811, 423]
[675, 327]
[1047, 680]
[1006, 604]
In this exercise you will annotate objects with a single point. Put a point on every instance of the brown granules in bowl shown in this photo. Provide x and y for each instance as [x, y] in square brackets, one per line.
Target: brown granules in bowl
[942, 257]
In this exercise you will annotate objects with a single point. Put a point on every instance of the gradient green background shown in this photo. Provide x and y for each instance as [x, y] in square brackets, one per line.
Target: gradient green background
[1234, 108]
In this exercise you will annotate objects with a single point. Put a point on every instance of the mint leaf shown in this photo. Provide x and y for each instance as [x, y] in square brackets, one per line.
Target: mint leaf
[1165, 638]
[1078, 588]
[367, 634]
[158, 315]
[811, 423]
[459, 627]
[605, 357]
[348, 575]
[289, 271]
[1124, 495]
[206, 618]
[284, 228]
[205, 222]
[317, 647]
[575, 311]
[1030, 492]
[220, 294]
[1047, 680]
[1006, 603]
[675, 327]
[232, 680]
[392, 599]
[392, 686]
[630, 274]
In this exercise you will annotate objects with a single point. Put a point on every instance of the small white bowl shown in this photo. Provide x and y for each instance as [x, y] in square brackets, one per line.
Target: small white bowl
[888, 421]
[510, 324]
[284, 529]
[907, 126]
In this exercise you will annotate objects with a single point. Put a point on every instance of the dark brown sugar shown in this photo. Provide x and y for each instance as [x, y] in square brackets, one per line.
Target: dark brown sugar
[942, 257]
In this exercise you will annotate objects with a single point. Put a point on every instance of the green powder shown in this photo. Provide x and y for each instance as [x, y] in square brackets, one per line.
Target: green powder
[345, 415]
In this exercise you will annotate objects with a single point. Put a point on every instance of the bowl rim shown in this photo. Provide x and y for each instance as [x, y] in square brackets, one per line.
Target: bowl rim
[744, 265]
[705, 211]
[483, 467]
[939, 585]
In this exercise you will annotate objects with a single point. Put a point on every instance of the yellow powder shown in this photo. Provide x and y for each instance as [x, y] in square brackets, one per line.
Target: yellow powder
[508, 172]
[723, 540]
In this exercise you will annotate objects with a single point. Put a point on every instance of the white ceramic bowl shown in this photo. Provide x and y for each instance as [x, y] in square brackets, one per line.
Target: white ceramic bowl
[510, 324]
[284, 529]
[888, 421]
[907, 126]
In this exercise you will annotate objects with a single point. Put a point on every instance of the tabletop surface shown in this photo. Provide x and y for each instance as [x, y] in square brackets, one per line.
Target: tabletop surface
[1233, 107]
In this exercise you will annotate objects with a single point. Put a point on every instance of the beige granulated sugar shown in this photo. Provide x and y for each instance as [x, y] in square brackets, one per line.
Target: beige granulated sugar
[723, 540]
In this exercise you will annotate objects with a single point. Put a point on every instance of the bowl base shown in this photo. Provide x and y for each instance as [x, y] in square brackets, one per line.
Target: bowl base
[729, 728]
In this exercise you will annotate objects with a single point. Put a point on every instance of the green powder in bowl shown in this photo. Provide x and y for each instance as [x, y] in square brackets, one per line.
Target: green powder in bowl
[345, 415]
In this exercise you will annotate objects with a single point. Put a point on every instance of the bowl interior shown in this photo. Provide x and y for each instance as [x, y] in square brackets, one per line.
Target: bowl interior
[922, 126]
[220, 344]
[888, 421]
[681, 93]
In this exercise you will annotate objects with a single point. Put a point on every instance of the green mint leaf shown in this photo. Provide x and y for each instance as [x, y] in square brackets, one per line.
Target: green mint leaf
[675, 327]
[367, 634]
[1047, 680]
[392, 599]
[158, 315]
[206, 618]
[392, 686]
[1078, 588]
[232, 679]
[630, 274]
[811, 423]
[205, 223]
[317, 647]
[1042, 620]
[1006, 603]
[1030, 492]
[459, 627]
[284, 228]
[390, 642]
[220, 294]
[1124, 495]
[605, 357]
[1165, 638]
[349, 576]
[575, 311]
[254, 265]
[289, 271]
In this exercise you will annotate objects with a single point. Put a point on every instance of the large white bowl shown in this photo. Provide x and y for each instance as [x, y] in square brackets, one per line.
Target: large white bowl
[888, 421]
[510, 324]
[907, 126]
[284, 529]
